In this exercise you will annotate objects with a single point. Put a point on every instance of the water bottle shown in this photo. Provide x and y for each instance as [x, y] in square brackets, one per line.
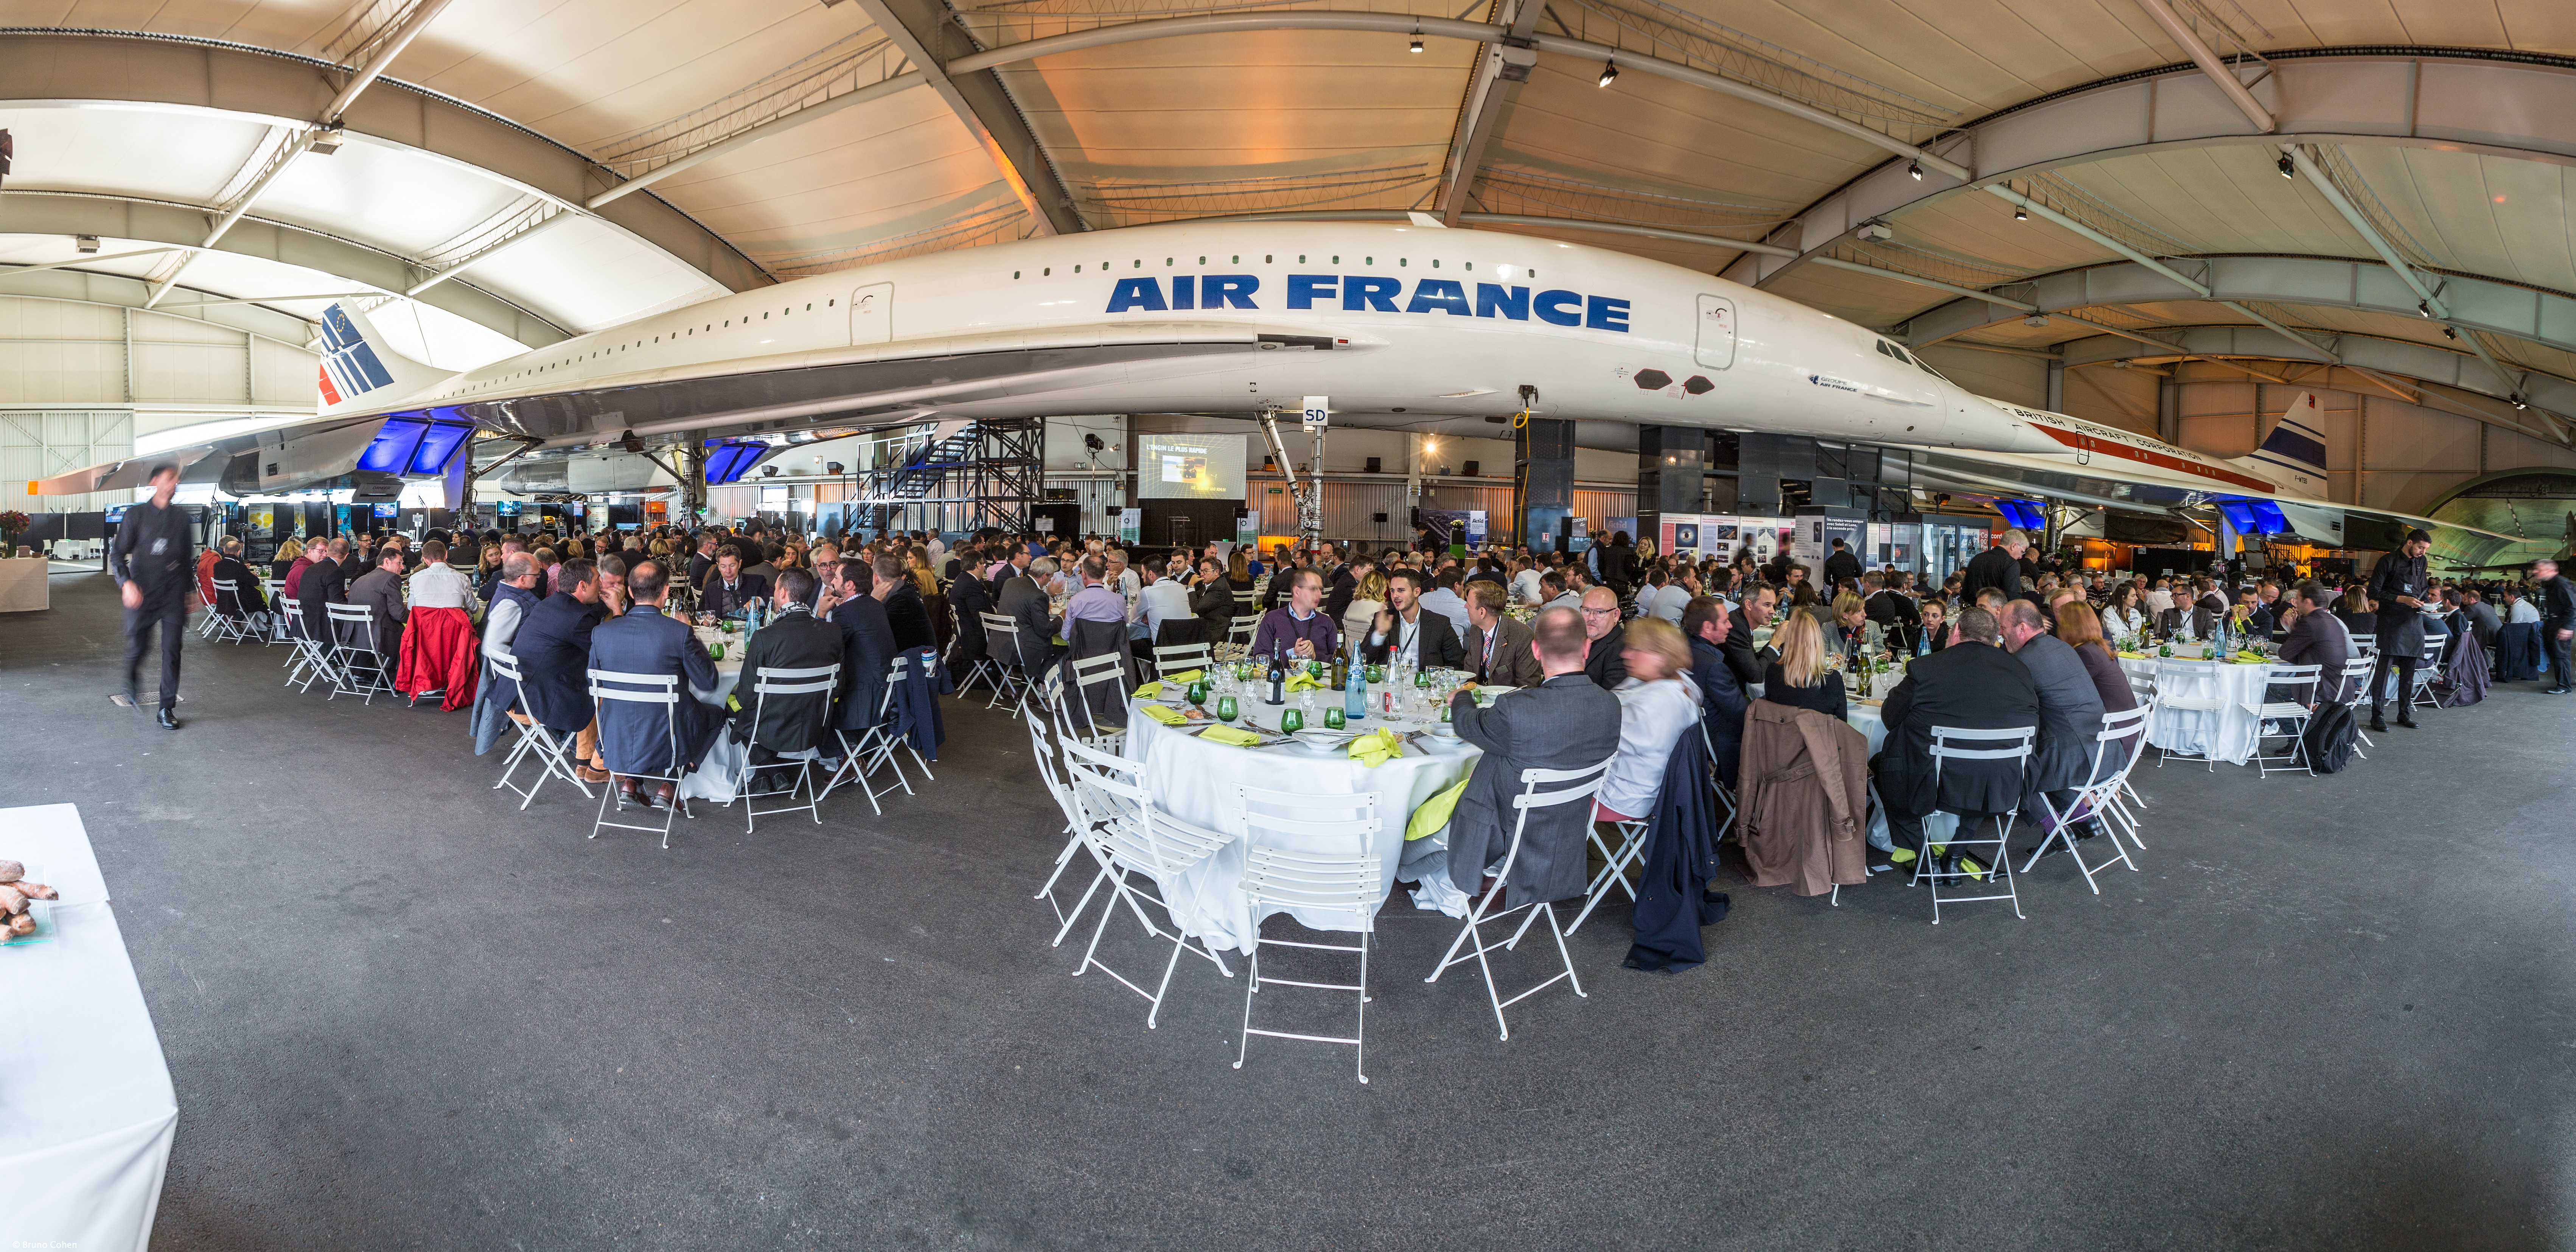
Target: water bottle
[2218, 636]
[1355, 686]
[1922, 641]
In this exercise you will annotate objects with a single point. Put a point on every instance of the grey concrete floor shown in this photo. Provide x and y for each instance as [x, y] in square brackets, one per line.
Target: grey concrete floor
[401, 1013]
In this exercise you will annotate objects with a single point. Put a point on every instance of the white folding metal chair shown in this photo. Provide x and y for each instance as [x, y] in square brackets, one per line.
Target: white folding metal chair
[231, 625]
[770, 681]
[2427, 669]
[1109, 669]
[1132, 838]
[2112, 761]
[2356, 684]
[2292, 713]
[1181, 658]
[1614, 869]
[2117, 801]
[279, 610]
[2012, 744]
[1245, 624]
[1043, 751]
[1570, 786]
[1002, 652]
[662, 690]
[2187, 687]
[310, 661]
[862, 757]
[357, 669]
[985, 670]
[534, 740]
[1332, 866]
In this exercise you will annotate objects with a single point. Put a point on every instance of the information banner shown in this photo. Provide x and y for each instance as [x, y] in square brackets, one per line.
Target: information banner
[1131, 525]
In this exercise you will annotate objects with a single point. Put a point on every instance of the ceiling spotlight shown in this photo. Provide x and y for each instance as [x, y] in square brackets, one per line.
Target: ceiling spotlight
[2035, 319]
[1417, 42]
[1092, 441]
[2288, 167]
[1915, 168]
[1609, 74]
[2020, 214]
[2450, 333]
[832, 467]
[2518, 405]
[769, 471]
[88, 244]
[2423, 308]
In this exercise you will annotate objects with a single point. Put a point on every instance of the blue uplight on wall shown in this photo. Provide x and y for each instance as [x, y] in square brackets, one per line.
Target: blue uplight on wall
[728, 462]
[438, 444]
[2268, 519]
[390, 452]
[2240, 515]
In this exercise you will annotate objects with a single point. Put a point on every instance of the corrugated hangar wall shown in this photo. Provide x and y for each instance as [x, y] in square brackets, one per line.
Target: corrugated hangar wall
[2380, 450]
[81, 379]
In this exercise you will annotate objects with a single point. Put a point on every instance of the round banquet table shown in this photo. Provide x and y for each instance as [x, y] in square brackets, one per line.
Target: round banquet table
[1191, 778]
[2225, 734]
[713, 778]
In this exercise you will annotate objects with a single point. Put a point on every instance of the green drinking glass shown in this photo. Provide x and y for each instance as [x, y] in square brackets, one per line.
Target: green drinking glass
[1291, 721]
[1225, 709]
[1198, 693]
[1377, 674]
[1422, 678]
[1333, 719]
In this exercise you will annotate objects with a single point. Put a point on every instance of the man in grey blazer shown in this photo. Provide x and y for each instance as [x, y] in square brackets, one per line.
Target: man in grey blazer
[2070, 706]
[1498, 648]
[381, 591]
[1565, 722]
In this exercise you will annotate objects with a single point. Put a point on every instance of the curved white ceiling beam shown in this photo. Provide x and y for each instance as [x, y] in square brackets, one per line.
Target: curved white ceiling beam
[2541, 317]
[182, 225]
[48, 68]
[2510, 106]
[2402, 358]
[1444, 28]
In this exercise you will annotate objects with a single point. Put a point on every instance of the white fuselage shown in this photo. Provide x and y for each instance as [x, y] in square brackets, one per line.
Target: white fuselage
[1421, 321]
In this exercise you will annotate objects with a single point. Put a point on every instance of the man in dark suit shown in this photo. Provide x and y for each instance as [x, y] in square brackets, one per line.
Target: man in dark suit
[1999, 566]
[867, 645]
[380, 590]
[1566, 722]
[1344, 584]
[1750, 662]
[1406, 633]
[249, 601]
[1972, 685]
[1024, 601]
[905, 610]
[971, 597]
[2557, 623]
[649, 738]
[703, 559]
[728, 590]
[2317, 638]
[1604, 659]
[2070, 706]
[795, 639]
[1706, 623]
[553, 651]
[154, 566]
[2400, 585]
[1842, 569]
[326, 581]
[1895, 612]
[1498, 647]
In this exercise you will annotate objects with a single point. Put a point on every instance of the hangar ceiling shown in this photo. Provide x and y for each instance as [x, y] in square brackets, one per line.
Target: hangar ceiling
[2178, 178]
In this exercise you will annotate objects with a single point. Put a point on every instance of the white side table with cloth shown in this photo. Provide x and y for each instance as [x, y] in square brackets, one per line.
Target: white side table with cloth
[2225, 733]
[86, 1106]
[1192, 779]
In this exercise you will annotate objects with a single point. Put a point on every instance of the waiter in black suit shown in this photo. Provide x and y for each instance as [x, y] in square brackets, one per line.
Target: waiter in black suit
[1998, 566]
[326, 581]
[2399, 584]
[2557, 622]
[155, 569]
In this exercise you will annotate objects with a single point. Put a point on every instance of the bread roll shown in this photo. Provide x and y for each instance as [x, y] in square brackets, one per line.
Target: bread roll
[12, 900]
[11, 871]
[35, 890]
[22, 924]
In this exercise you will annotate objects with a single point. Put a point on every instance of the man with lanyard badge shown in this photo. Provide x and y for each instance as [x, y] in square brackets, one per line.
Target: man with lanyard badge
[2398, 585]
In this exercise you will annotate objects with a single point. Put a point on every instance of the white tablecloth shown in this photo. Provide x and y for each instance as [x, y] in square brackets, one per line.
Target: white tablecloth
[2226, 734]
[86, 1107]
[713, 779]
[1191, 776]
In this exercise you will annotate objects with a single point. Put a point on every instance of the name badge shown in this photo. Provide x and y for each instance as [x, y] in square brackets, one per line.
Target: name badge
[160, 547]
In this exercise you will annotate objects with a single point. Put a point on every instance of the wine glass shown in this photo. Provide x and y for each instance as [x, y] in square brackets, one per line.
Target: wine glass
[1291, 720]
[1225, 709]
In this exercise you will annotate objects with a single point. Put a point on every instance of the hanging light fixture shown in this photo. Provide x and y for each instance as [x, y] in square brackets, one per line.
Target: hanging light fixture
[1417, 40]
[1915, 168]
[1609, 74]
[2423, 308]
[2020, 214]
[2288, 167]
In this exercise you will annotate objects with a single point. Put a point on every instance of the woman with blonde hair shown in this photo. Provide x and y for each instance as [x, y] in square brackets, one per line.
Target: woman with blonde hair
[1804, 677]
[1657, 705]
[1852, 627]
[1365, 604]
[287, 554]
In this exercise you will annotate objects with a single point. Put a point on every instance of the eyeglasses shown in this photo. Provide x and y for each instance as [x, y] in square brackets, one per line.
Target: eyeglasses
[1599, 612]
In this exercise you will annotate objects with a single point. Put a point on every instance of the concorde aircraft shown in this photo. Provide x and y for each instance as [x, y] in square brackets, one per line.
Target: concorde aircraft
[1211, 317]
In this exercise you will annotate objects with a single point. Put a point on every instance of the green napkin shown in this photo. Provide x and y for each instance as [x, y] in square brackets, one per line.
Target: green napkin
[1303, 682]
[1149, 691]
[1167, 716]
[1180, 680]
[1228, 734]
[1376, 748]
[2133, 656]
[1434, 812]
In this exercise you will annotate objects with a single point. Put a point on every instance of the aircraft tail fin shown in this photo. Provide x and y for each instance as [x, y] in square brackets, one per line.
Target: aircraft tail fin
[359, 370]
[2294, 454]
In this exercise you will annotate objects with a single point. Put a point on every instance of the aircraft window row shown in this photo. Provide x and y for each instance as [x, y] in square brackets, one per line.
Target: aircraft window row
[709, 327]
[1267, 259]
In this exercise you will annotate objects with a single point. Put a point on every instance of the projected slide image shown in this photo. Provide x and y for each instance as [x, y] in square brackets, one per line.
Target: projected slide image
[1196, 467]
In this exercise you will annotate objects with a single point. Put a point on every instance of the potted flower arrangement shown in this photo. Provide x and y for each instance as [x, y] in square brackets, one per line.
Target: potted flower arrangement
[12, 524]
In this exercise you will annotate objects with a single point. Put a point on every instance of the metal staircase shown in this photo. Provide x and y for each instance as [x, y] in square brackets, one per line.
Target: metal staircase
[957, 476]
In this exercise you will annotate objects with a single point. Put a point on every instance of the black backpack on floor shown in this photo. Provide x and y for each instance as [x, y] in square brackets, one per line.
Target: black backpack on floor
[2329, 738]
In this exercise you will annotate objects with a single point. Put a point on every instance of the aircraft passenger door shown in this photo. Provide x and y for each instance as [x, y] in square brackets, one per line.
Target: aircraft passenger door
[1716, 346]
[872, 315]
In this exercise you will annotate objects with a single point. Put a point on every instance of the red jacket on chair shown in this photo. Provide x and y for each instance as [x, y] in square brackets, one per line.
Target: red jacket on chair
[439, 650]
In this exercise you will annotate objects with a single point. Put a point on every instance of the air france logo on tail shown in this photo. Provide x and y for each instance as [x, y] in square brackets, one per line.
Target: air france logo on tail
[349, 365]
